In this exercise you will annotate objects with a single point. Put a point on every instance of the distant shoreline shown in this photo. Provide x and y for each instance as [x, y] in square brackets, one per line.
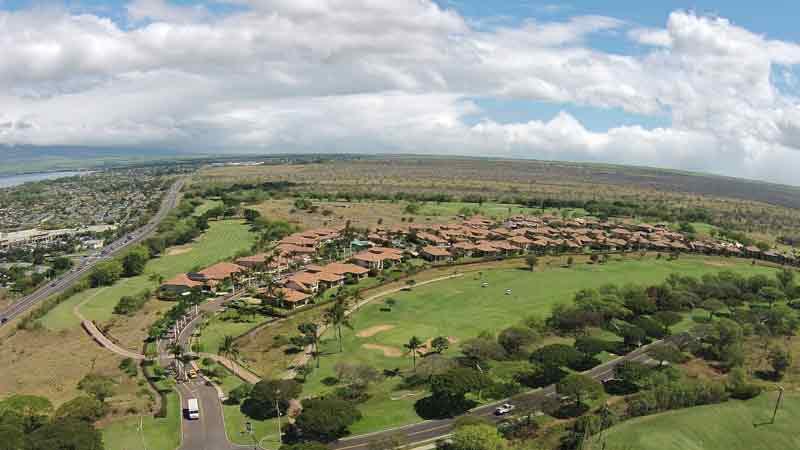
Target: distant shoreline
[7, 181]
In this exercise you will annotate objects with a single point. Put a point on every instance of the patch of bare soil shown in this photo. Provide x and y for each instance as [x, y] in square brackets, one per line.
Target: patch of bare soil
[391, 352]
[179, 250]
[372, 331]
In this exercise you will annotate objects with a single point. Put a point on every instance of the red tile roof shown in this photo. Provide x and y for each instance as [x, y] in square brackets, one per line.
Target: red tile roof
[182, 280]
[221, 270]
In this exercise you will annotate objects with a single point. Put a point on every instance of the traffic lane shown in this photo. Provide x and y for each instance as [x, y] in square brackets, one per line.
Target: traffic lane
[207, 432]
[66, 280]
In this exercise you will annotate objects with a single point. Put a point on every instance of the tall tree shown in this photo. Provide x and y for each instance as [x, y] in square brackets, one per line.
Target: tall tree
[478, 437]
[579, 387]
[532, 261]
[412, 346]
[310, 331]
[336, 316]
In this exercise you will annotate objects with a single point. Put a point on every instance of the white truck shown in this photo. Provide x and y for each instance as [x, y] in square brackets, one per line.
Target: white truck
[193, 407]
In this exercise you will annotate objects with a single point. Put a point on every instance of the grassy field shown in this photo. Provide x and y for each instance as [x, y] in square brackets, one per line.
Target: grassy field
[146, 432]
[460, 309]
[729, 426]
[217, 327]
[370, 213]
[222, 240]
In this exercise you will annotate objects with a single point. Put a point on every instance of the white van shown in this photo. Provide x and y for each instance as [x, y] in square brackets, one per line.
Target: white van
[194, 408]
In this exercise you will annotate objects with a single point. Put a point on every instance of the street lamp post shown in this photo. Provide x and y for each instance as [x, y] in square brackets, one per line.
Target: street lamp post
[278, 411]
[249, 427]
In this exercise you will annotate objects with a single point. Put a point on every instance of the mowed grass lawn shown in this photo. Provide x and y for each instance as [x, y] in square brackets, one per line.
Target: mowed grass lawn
[222, 240]
[729, 426]
[460, 309]
[147, 432]
[214, 331]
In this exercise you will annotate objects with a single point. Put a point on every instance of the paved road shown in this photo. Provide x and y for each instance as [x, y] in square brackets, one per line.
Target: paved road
[207, 433]
[437, 429]
[69, 278]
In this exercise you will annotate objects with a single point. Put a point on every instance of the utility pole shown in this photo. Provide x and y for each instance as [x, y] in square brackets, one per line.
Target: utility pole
[278, 410]
[777, 404]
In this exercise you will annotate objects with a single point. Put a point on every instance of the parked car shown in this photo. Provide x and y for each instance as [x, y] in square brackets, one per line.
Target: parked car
[504, 409]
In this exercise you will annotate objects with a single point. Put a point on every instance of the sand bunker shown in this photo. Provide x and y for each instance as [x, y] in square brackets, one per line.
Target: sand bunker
[372, 331]
[391, 352]
[179, 250]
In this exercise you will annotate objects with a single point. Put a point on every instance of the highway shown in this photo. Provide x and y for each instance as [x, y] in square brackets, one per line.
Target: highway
[61, 284]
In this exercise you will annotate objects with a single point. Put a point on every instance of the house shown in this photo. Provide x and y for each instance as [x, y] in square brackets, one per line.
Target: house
[290, 298]
[178, 285]
[290, 250]
[431, 239]
[521, 242]
[222, 271]
[304, 282]
[485, 249]
[326, 279]
[347, 269]
[253, 262]
[376, 258]
[299, 241]
[256, 264]
[435, 254]
[463, 248]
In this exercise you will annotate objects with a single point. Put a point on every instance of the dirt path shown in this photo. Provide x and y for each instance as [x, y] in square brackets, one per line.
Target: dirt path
[304, 357]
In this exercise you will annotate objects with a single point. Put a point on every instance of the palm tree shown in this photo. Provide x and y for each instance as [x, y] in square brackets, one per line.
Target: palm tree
[227, 345]
[336, 316]
[280, 297]
[311, 331]
[229, 348]
[413, 345]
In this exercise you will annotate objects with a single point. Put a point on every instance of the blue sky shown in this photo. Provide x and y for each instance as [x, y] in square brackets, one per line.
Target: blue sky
[710, 85]
[777, 22]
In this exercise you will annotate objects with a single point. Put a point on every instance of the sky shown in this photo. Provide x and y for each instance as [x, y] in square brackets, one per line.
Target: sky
[710, 86]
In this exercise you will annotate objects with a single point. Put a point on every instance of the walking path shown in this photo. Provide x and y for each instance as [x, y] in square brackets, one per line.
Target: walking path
[303, 358]
[105, 342]
[241, 372]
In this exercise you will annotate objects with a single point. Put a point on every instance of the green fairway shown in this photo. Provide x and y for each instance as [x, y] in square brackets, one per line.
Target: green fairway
[146, 432]
[728, 426]
[222, 240]
[214, 332]
[460, 309]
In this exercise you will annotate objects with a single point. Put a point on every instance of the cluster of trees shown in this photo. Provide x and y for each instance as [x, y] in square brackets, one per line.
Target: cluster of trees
[30, 423]
[129, 304]
[323, 419]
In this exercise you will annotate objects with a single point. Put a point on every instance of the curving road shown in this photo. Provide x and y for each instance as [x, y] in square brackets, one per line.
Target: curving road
[69, 278]
[208, 432]
[431, 430]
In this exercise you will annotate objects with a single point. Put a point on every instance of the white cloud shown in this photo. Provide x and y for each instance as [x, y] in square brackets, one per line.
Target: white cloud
[392, 75]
